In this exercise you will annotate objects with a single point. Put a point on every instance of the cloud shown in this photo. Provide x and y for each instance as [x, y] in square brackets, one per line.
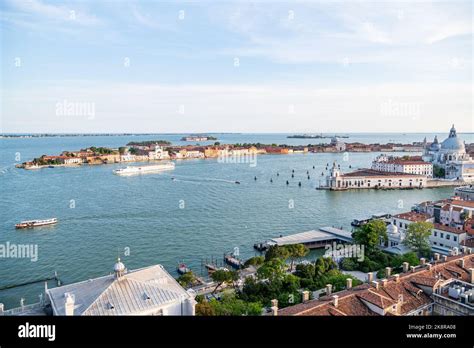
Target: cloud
[39, 11]
[238, 108]
[328, 32]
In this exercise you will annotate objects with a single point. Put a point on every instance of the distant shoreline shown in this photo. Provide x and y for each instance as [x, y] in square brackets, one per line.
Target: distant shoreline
[325, 135]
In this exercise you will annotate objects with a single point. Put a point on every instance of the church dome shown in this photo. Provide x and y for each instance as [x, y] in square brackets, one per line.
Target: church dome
[392, 229]
[119, 266]
[435, 145]
[453, 143]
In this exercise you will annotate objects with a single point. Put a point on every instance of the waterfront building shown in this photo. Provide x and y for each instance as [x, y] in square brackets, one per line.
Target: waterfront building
[451, 156]
[146, 291]
[370, 179]
[158, 154]
[72, 160]
[409, 165]
[194, 154]
[396, 231]
[340, 146]
[445, 237]
[465, 192]
[443, 287]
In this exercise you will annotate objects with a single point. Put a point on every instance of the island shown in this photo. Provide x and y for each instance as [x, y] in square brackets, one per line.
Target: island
[198, 138]
[315, 136]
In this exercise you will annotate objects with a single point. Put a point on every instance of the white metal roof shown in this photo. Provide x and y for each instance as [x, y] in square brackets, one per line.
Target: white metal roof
[136, 292]
[324, 233]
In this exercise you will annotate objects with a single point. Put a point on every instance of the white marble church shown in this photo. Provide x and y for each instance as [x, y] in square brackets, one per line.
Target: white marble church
[146, 291]
[451, 155]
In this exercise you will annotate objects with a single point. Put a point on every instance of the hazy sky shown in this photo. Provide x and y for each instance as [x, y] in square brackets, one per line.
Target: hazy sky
[235, 66]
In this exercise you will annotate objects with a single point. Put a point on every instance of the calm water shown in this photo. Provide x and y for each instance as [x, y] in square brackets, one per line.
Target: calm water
[143, 213]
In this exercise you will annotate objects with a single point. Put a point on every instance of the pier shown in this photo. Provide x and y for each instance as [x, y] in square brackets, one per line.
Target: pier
[311, 239]
[55, 277]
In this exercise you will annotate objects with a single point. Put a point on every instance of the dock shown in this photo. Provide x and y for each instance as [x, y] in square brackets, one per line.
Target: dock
[312, 239]
[42, 280]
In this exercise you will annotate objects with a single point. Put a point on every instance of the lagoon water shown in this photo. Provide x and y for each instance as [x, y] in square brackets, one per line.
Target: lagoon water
[200, 215]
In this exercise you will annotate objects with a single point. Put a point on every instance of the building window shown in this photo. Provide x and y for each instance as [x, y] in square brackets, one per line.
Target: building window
[448, 237]
[442, 235]
[455, 238]
[435, 234]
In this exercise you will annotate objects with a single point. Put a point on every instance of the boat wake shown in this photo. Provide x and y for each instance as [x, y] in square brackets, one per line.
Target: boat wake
[191, 179]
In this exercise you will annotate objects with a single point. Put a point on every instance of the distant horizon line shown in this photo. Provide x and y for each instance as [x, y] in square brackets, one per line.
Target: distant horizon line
[210, 133]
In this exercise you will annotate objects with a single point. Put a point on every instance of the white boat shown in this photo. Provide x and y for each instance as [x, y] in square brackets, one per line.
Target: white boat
[36, 223]
[135, 170]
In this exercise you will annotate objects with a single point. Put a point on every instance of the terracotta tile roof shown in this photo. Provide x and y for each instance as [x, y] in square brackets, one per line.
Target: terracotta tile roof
[448, 229]
[412, 216]
[376, 299]
[408, 290]
[377, 173]
[425, 281]
[462, 203]
[469, 243]
[407, 162]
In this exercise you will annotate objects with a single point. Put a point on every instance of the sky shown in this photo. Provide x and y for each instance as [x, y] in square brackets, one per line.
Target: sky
[236, 66]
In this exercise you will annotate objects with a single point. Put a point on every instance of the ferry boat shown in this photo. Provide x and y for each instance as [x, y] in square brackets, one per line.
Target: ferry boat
[135, 170]
[36, 223]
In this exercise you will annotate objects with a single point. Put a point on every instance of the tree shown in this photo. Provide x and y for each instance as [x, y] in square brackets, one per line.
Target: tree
[122, 150]
[370, 234]
[276, 252]
[254, 261]
[187, 279]
[272, 270]
[205, 309]
[417, 237]
[222, 276]
[438, 171]
[323, 265]
[296, 251]
[229, 304]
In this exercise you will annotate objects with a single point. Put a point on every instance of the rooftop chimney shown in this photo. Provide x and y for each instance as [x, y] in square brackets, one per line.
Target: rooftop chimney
[370, 277]
[388, 271]
[397, 278]
[429, 266]
[422, 261]
[328, 289]
[348, 283]
[436, 256]
[376, 285]
[305, 295]
[461, 263]
[274, 307]
[335, 300]
[384, 282]
[471, 275]
[405, 267]
[445, 258]
[412, 269]
[69, 303]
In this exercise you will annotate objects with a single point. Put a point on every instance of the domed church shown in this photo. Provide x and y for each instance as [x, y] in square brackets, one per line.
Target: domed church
[451, 156]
